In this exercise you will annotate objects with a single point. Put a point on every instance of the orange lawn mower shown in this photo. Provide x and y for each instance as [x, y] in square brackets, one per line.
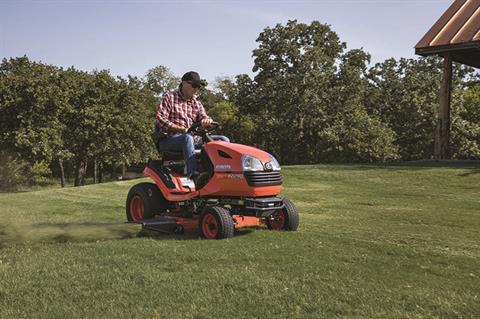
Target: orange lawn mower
[238, 187]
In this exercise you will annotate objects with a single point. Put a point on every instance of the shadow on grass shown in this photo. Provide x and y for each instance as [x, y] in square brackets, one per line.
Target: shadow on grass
[474, 171]
[189, 235]
[53, 184]
[474, 165]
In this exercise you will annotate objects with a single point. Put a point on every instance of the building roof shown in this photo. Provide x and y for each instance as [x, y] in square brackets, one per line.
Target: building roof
[457, 33]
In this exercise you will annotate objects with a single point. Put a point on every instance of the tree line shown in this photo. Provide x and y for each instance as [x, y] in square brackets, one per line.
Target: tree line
[311, 100]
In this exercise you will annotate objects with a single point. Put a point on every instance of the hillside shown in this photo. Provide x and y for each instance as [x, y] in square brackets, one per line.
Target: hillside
[374, 241]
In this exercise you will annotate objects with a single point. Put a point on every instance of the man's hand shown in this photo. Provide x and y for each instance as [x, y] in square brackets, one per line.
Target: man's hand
[207, 122]
[178, 129]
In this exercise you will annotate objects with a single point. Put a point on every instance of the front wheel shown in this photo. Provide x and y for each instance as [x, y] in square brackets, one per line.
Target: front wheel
[285, 219]
[216, 223]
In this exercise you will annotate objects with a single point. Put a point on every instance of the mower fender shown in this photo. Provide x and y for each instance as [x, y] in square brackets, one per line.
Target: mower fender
[171, 194]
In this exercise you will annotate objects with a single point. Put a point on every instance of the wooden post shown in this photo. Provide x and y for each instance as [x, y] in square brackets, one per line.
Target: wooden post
[443, 122]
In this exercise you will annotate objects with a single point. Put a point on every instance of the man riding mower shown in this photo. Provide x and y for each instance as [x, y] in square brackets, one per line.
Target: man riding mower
[238, 186]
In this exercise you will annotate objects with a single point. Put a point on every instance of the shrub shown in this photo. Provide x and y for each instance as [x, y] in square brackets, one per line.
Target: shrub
[12, 172]
[39, 173]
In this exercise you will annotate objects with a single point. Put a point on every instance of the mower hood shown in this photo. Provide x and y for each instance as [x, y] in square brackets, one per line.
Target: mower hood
[235, 158]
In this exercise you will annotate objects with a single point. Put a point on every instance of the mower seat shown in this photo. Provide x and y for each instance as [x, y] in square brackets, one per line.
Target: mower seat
[174, 161]
[175, 156]
[171, 155]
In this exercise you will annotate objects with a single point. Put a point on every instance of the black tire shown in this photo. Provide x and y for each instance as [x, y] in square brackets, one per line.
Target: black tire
[216, 223]
[285, 219]
[144, 200]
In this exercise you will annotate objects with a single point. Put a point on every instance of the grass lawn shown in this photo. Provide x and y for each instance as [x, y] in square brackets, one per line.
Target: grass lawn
[398, 241]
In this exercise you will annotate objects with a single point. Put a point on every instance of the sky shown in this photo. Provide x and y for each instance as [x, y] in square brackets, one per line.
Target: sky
[213, 37]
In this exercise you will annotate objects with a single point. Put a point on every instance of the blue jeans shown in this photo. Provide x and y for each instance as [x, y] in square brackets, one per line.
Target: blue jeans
[183, 143]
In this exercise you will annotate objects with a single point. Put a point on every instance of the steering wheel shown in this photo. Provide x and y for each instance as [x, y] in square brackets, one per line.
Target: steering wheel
[198, 129]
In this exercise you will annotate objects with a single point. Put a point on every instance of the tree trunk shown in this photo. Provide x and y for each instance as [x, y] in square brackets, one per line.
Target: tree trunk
[114, 171]
[62, 172]
[95, 170]
[100, 172]
[299, 156]
[81, 171]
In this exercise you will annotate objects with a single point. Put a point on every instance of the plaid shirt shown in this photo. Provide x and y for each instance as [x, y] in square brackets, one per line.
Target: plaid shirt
[175, 109]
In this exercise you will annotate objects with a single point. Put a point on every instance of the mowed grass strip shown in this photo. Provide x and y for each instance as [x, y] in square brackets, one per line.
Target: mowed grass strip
[374, 242]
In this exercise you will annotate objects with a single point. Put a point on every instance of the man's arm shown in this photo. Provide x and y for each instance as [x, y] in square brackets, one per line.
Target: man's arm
[202, 116]
[177, 129]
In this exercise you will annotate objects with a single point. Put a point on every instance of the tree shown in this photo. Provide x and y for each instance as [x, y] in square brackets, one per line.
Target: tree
[108, 120]
[350, 133]
[238, 127]
[293, 63]
[160, 80]
[133, 123]
[465, 133]
[404, 95]
[31, 103]
[307, 91]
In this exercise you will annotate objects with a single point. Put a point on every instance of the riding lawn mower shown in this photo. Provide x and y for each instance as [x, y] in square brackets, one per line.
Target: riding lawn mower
[239, 186]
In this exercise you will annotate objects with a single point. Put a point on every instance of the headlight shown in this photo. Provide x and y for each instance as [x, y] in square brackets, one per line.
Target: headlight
[274, 162]
[250, 163]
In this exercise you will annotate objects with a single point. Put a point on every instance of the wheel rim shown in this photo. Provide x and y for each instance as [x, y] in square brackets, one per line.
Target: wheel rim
[210, 226]
[137, 208]
[279, 220]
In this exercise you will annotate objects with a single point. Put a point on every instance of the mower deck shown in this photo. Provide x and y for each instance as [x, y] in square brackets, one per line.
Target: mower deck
[167, 225]
[178, 225]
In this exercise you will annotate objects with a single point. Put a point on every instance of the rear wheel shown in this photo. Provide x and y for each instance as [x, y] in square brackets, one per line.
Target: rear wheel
[143, 201]
[216, 223]
[285, 219]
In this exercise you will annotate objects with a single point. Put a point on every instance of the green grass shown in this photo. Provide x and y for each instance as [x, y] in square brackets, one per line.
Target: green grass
[374, 242]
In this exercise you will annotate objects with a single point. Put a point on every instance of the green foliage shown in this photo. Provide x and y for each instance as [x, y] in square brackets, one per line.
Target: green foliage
[31, 104]
[356, 136]
[39, 173]
[405, 96]
[132, 132]
[465, 133]
[309, 98]
[160, 80]
[50, 114]
[12, 172]
[311, 101]
[238, 127]
[16, 173]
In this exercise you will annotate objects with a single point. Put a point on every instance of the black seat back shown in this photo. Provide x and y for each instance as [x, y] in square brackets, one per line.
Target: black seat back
[171, 156]
[156, 136]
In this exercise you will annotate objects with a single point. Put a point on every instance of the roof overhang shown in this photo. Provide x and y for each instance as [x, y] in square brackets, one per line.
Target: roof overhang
[456, 33]
[467, 53]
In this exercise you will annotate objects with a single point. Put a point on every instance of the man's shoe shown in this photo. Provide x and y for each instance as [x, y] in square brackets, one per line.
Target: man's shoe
[194, 175]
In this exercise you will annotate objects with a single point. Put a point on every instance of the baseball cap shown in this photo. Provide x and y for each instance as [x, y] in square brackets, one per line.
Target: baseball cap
[194, 79]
